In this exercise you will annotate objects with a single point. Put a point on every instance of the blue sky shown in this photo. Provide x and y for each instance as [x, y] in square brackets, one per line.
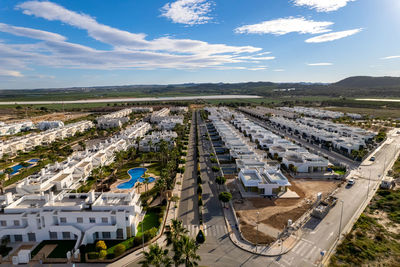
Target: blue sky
[97, 42]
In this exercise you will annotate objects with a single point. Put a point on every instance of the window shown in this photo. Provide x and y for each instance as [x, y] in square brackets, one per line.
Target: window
[53, 235]
[106, 234]
[3, 223]
[18, 238]
[66, 235]
[32, 237]
[16, 222]
[79, 220]
[92, 220]
[63, 220]
[104, 220]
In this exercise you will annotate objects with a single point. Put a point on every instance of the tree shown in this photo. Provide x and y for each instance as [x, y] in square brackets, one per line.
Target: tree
[189, 251]
[82, 145]
[8, 170]
[161, 185]
[146, 182]
[220, 180]
[200, 238]
[225, 197]
[156, 256]
[176, 232]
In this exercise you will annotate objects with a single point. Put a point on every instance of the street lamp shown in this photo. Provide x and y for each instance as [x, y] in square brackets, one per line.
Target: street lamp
[340, 223]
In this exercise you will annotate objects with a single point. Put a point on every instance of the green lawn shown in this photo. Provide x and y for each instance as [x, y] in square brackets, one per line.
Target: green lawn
[151, 219]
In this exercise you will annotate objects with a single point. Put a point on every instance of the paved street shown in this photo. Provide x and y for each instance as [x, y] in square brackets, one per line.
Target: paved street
[188, 211]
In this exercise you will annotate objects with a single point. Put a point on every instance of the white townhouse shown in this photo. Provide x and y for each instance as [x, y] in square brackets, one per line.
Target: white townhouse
[46, 125]
[179, 109]
[13, 128]
[142, 109]
[152, 141]
[84, 217]
[170, 122]
[135, 131]
[158, 116]
[114, 120]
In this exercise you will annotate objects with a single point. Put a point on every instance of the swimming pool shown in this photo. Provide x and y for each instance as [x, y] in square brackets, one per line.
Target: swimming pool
[18, 167]
[136, 175]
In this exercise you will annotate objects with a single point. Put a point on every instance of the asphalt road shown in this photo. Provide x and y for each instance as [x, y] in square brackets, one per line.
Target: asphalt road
[188, 211]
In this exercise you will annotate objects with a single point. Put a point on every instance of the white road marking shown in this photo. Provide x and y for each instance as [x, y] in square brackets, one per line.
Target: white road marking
[329, 236]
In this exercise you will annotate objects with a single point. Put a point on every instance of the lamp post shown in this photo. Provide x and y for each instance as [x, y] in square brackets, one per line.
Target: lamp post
[340, 223]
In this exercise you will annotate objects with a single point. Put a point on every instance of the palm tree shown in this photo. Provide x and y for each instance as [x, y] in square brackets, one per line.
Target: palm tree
[176, 232]
[161, 185]
[146, 183]
[189, 251]
[156, 257]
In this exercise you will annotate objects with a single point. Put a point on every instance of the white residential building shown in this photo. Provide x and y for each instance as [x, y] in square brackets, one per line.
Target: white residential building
[158, 116]
[179, 109]
[152, 142]
[84, 217]
[170, 122]
[46, 125]
[13, 128]
[142, 109]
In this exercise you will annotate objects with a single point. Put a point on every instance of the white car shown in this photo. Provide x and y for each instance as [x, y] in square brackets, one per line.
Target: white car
[350, 182]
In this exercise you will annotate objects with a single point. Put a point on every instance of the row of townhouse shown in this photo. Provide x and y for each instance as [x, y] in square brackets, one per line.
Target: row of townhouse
[142, 109]
[70, 173]
[255, 173]
[321, 113]
[265, 113]
[341, 129]
[46, 125]
[292, 155]
[114, 120]
[322, 137]
[84, 217]
[13, 128]
[179, 109]
[28, 142]
[151, 142]
[158, 116]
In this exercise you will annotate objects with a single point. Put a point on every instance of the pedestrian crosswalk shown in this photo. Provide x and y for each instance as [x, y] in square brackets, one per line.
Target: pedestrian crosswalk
[307, 250]
[209, 230]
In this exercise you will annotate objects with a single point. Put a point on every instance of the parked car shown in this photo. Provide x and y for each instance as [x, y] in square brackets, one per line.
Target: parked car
[372, 159]
[350, 182]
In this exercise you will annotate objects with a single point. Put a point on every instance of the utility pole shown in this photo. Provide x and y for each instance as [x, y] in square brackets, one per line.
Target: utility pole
[340, 223]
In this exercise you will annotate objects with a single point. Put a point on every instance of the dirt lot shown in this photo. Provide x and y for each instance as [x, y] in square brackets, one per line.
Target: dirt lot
[59, 116]
[275, 213]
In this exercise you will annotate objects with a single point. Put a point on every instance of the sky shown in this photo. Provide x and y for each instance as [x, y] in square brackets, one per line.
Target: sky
[49, 44]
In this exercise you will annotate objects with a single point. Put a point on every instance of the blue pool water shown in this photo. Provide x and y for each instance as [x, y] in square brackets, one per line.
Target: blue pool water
[136, 175]
[18, 167]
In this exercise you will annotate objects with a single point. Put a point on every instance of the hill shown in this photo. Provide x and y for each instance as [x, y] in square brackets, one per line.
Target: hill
[369, 82]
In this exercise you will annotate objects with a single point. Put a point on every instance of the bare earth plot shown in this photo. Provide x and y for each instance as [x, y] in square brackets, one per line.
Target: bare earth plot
[275, 213]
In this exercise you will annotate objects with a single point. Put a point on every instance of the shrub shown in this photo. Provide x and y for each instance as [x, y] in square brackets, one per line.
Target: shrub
[93, 255]
[137, 240]
[199, 181]
[101, 245]
[102, 254]
[215, 169]
[200, 201]
[213, 160]
[200, 238]
[199, 190]
[119, 250]
[149, 234]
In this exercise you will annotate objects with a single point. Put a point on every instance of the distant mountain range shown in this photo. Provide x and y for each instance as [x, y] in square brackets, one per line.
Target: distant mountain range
[359, 86]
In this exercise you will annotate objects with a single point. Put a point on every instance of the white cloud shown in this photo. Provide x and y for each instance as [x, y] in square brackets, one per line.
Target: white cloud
[332, 36]
[391, 57]
[278, 70]
[31, 33]
[10, 73]
[320, 64]
[286, 25]
[188, 11]
[323, 5]
[128, 50]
